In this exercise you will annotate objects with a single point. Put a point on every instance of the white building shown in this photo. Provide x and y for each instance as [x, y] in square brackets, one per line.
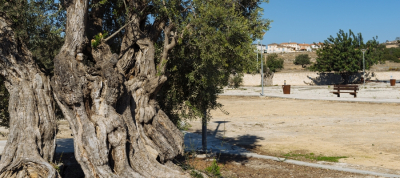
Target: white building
[260, 47]
[281, 48]
[316, 46]
[305, 47]
[293, 45]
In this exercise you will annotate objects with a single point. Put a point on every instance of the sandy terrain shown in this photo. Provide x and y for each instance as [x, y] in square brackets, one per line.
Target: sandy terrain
[368, 134]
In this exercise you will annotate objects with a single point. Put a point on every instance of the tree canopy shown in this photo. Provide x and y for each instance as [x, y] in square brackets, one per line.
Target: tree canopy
[219, 45]
[171, 56]
[274, 63]
[302, 59]
[342, 54]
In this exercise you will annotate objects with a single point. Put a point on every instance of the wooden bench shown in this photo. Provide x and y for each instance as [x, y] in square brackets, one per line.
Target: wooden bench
[351, 89]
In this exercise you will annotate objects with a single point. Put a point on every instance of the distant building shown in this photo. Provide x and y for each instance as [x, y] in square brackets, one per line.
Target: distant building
[316, 46]
[305, 47]
[293, 45]
[260, 47]
[279, 48]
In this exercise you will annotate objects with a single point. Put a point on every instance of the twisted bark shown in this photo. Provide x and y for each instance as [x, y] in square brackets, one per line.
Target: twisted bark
[31, 141]
[118, 128]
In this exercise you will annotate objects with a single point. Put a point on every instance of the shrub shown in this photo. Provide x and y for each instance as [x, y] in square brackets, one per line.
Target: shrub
[214, 169]
[235, 81]
[273, 63]
[302, 60]
[388, 57]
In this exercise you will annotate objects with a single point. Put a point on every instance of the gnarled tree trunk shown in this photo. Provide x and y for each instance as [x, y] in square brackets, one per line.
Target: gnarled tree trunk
[31, 141]
[268, 77]
[118, 128]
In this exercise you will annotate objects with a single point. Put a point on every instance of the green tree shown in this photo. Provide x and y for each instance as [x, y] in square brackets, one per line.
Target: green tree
[342, 54]
[302, 59]
[173, 56]
[30, 37]
[391, 54]
[274, 63]
[206, 58]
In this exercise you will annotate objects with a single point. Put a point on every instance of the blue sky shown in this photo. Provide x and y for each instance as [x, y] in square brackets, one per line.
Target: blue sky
[308, 21]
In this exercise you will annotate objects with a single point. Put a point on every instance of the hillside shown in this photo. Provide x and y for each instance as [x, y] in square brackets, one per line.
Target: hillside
[289, 67]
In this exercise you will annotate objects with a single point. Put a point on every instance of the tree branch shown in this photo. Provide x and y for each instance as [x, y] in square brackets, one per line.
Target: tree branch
[115, 33]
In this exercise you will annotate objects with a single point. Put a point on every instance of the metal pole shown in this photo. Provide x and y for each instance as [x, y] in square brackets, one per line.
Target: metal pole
[257, 55]
[364, 68]
[363, 51]
[262, 74]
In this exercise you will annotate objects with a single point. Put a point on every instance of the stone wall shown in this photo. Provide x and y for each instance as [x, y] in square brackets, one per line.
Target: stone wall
[314, 78]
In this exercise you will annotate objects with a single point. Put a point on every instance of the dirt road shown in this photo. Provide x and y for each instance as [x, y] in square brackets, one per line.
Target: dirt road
[368, 134]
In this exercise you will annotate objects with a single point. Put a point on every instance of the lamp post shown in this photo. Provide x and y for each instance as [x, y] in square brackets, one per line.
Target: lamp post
[363, 51]
[262, 69]
[257, 52]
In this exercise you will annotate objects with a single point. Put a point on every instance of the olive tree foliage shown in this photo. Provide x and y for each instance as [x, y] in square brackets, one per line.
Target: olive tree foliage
[218, 45]
[272, 64]
[114, 102]
[160, 59]
[342, 54]
[302, 59]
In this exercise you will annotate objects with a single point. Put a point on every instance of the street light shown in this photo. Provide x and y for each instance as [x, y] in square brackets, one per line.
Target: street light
[257, 51]
[262, 69]
[363, 51]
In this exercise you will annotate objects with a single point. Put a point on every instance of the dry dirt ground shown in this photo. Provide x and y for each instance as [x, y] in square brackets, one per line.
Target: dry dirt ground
[367, 134]
[236, 167]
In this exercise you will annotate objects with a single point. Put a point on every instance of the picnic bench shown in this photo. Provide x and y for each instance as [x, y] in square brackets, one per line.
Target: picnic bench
[351, 89]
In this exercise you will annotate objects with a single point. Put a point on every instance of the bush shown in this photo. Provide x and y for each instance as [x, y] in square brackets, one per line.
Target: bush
[388, 57]
[235, 81]
[214, 169]
[273, 63]
[302, 60]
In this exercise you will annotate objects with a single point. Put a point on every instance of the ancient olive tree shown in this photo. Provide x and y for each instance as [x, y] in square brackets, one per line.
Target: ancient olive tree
[31, 141]
[28, 40]
[111, 100]
[342, 54]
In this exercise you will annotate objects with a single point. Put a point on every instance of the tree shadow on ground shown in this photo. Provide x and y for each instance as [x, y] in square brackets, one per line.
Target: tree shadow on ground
[335, 79]
[245, 141]
[70, 168]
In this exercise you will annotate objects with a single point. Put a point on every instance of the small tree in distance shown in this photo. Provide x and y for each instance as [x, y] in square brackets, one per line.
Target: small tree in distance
[273, 64]
[342, 54]
[302, 59]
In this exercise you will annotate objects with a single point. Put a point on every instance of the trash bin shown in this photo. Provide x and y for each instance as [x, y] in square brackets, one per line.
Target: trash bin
[286, 89]
[392, 82]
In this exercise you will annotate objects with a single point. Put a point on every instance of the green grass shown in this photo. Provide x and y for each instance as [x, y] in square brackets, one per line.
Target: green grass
[312, 156]
[196, 174]
[214, 169]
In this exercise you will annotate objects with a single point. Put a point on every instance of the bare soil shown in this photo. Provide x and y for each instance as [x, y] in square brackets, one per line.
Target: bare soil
[236, 166]
[367, 134]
